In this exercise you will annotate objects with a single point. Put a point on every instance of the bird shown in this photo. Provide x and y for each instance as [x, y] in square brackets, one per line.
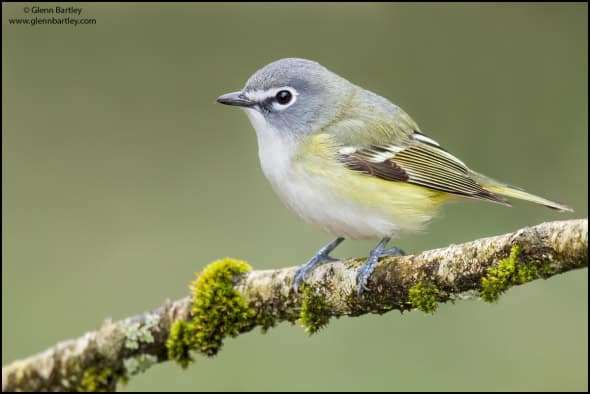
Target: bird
[351, 162]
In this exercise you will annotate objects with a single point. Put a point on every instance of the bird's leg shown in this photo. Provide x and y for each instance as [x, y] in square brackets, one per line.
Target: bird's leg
[322, 256]
[365, 271]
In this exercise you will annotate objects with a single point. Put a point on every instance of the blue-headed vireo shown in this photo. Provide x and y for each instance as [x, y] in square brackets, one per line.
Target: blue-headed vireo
[351, 162]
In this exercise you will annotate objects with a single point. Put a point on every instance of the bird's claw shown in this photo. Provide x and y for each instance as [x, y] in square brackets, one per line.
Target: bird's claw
[362, 277]
[302, 271]
[299, 277]
[366, 270]
[362, 285]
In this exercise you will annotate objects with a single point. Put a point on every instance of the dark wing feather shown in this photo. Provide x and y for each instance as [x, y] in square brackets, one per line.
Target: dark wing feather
[387, 170]
[422, 162]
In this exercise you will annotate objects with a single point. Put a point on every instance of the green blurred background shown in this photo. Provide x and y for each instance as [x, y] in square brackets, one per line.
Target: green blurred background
[122, 176]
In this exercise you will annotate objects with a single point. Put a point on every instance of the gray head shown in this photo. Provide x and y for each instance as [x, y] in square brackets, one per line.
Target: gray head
[294, 96]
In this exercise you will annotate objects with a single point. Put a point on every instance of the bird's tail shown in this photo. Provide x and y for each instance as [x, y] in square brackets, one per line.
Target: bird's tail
[515, 192]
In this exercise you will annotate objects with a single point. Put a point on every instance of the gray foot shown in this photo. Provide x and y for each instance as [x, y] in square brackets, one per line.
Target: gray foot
[366, 270]
[322, 256]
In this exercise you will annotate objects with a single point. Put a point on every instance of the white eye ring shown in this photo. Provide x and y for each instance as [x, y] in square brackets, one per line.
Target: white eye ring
[278, 106]
[262, 95]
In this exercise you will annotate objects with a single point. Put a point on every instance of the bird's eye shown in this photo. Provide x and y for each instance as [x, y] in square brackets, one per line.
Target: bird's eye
[284, 97]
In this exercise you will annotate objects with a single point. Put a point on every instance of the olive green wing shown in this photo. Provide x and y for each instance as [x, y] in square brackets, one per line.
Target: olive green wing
[418, 160]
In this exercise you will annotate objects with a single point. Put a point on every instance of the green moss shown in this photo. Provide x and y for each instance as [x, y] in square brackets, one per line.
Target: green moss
[314, 313]
[499, 277]
[180, 343]
[218, 311]
[424, 297]
[509, 272]
[95, 379]
[265, 320]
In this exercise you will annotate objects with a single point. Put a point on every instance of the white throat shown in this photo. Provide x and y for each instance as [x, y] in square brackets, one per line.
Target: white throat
[274, 150]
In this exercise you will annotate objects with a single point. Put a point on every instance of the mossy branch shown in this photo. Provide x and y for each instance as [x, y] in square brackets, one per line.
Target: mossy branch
[229, 299]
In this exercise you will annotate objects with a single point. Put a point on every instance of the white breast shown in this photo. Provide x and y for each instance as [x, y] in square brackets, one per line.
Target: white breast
[311, 197]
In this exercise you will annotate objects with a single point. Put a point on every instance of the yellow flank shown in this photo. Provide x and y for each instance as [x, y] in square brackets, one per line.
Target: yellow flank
[409, 206]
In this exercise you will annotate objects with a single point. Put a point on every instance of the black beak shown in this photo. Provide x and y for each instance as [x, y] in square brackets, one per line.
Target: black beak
[237, 99]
